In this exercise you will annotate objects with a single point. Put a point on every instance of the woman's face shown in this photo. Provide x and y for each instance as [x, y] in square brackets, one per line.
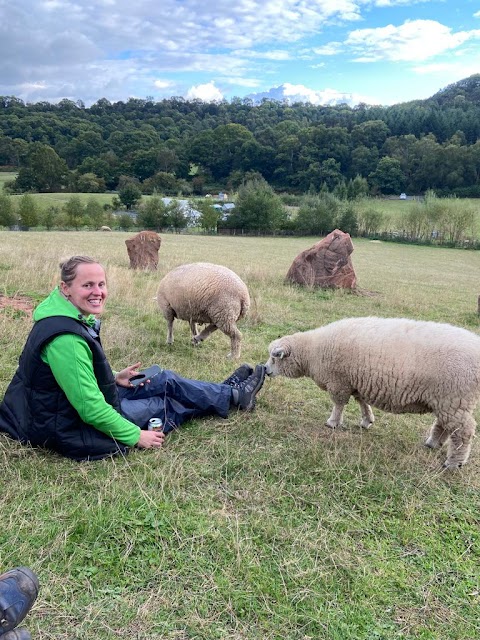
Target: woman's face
[88, 290]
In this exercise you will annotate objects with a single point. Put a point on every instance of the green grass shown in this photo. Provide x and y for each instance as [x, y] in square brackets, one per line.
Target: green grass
[393, 210]
[6, 176]
[396, 212]
[261, 526]
[45, 200]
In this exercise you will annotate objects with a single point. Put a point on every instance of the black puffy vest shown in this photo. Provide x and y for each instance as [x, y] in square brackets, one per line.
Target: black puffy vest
[36, 410]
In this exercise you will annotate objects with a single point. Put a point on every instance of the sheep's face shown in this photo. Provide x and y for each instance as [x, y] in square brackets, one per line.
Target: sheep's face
[281, 362]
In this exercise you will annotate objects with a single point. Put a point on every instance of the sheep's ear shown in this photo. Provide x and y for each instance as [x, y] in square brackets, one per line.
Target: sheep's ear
[280, 352]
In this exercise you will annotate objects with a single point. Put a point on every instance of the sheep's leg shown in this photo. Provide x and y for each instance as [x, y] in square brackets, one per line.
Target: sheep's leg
[169, 317]
[193, 328]
[367, 414]
[336, 417]
[460, 442]
[200, 337]
[340, 399]
[438, 435]
[235, 340]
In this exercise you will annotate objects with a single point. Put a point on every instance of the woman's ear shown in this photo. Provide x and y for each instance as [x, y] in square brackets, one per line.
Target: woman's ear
[64, 289]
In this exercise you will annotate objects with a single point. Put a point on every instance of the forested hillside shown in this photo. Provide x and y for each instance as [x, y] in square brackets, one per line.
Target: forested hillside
[178, 146]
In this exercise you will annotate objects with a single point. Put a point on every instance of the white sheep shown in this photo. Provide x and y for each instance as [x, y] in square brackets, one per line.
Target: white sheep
[394, 364]
[208, 294]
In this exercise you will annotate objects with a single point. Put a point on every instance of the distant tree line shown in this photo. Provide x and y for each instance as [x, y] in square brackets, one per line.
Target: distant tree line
[175, 146]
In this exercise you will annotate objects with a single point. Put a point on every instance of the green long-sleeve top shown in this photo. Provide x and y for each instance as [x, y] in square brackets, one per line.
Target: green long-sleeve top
[71, 361]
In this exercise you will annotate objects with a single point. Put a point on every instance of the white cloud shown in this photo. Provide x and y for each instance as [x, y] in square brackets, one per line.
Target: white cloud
[163, 84]
[206, 92]
[433, 68]
[450, 72]
[393, 3]
[193, 25]
[326, 96]
[330, 49]
[300, 89]
[51, 49]
[277, 54]
[414, 40]
[205, 63]
[51, 5]
[242, 82]
[33, 86]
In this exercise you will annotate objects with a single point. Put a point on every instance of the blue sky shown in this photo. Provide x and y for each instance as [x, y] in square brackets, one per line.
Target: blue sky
[374, 51]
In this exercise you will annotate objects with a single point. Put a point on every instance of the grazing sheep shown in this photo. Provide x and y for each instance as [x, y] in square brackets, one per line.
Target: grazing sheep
[208, 294]
[394, 364]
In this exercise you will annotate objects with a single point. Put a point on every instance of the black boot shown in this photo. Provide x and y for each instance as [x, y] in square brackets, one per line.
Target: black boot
[18, 591]
[243, 395]
[239, 375]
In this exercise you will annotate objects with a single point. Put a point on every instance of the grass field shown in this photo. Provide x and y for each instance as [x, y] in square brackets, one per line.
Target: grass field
[45, 200]
[6, 176]
[261, 526]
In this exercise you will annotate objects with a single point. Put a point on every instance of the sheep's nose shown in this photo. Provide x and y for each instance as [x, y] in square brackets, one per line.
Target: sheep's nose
[268, 369]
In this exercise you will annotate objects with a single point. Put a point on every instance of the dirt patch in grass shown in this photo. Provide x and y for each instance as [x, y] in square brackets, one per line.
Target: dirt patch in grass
[17, 303]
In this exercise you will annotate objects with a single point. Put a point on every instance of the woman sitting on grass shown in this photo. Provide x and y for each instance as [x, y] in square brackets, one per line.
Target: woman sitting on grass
[64, 395]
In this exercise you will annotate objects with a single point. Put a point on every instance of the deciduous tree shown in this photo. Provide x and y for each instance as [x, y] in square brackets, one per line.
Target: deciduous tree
[130, 194]
[74, 211]
[43, 170]
[209, 215]
[27, 211]
[388, 177]
[317, 213]
[258, 208]
[7, 213]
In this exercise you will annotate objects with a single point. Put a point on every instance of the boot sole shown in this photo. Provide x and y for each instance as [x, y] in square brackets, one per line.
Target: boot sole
[251, 405]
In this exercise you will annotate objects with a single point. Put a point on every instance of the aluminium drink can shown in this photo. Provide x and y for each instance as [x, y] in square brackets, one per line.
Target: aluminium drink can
[155, 424]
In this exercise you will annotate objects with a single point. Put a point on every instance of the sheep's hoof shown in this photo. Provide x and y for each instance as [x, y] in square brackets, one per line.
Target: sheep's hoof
[432, 444]
[449, 466]
[332, 425]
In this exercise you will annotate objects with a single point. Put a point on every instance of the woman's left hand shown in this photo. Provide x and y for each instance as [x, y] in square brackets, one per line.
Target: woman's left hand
[123, 377]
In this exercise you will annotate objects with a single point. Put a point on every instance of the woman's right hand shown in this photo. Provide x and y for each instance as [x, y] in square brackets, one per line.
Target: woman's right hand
[151, 439]
[123, 377]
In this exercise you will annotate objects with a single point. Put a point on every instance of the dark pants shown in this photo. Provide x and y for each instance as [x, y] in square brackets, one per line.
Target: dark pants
[174, 399]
